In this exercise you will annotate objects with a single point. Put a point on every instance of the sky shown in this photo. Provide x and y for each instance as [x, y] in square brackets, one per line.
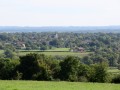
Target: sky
[59, 12]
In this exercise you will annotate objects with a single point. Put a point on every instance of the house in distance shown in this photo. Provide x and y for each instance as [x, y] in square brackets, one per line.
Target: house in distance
[77, 49]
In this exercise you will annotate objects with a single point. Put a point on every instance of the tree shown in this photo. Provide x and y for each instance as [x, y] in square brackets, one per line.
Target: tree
[7, 69]
[83, 73]
[99, 73]
[43, 48]
[69, 68]
[34, 67]
[9, 53]
[87, 60]
[29, 65]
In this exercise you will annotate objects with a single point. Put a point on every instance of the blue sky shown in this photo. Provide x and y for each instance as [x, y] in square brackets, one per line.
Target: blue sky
[59, 12]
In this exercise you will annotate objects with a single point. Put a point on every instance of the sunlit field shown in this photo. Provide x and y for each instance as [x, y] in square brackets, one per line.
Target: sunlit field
[42, 85]
[55, 52]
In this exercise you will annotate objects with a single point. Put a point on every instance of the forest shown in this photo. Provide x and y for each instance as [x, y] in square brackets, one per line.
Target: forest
[103, 49]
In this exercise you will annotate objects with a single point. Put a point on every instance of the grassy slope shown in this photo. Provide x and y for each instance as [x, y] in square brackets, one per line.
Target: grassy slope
[41, 85]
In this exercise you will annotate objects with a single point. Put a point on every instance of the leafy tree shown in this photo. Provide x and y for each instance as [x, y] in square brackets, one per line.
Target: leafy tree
[116, 79]
[7, 69]
[9, 53]
[29, 65]
[69, 68]
[43, 48]
[33, 66]
[87, 60]
[99, 73]
[83, 73]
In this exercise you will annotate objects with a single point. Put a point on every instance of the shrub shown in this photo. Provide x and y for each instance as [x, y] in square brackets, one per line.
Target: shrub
[116, 79]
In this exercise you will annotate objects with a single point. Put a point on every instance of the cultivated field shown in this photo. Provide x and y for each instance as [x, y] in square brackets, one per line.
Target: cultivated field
[42, 85]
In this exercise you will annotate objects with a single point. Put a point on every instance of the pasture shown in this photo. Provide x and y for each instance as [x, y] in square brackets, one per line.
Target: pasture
[55, 52]
[46, 85]
[52, 52]
[114, 71]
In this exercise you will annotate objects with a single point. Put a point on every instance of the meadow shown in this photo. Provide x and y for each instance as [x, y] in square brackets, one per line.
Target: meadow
[52, 52]
[46, 85]
[55, 52]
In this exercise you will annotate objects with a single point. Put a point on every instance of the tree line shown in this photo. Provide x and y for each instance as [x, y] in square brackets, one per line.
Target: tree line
[48, 40]
[41, 67]
[105, 46]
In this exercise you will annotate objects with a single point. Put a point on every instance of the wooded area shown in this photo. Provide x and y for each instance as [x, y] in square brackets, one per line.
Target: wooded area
[102, 52]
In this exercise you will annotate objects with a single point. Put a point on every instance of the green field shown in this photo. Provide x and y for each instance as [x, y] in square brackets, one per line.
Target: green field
[52, 52]
[114, 71]
[59, 49]
[57, 53]
[42, 85]
[1, 51]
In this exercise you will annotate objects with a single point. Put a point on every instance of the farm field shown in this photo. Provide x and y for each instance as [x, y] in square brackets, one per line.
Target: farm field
[1, 51]
[43, 85]
[52, 52]
[57, 53]
[114, 71]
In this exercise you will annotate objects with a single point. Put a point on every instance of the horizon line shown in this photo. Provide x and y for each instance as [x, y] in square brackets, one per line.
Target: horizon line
[61, 26]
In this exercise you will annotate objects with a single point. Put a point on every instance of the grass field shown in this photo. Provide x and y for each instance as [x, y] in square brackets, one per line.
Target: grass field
[1, 51]
[52, 52]
[114, 71]
[59, 49]
[42, 85]
[57, 53]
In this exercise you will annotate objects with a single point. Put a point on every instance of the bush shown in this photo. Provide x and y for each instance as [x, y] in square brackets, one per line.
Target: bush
[116, 79]
[82, 79]
[69, 69]
[7, 68]
[99, 73]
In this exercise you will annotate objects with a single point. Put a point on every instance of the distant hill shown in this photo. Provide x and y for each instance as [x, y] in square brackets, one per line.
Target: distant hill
[78, 29]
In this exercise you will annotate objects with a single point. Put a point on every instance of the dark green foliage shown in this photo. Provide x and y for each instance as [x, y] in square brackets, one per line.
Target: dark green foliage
[83, 73]
[40, 67]
[119, 66]
[29, 65]
[116, 79]
[8, 53]
[104, 48]
[87, 60]
[7, 68]
[99, 73]
[69, 69]
[35, 66]
[43, 48]
[104, 45]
